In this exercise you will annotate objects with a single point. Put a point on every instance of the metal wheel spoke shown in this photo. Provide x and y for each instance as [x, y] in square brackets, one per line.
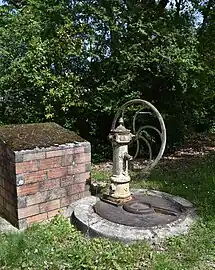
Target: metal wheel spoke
[138, 147]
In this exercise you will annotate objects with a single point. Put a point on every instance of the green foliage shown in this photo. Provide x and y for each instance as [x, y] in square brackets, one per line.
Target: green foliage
[75, 62]
[38, 48]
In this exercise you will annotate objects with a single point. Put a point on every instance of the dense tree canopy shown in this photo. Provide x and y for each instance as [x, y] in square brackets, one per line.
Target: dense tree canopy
[75, 62]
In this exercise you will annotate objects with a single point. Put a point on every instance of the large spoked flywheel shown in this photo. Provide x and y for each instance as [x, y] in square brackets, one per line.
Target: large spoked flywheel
[147, 127]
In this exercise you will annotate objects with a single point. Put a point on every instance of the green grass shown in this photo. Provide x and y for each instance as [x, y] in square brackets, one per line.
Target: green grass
[59, 246]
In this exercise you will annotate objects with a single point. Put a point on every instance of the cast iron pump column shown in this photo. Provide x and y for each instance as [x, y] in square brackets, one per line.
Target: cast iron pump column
[120, 138]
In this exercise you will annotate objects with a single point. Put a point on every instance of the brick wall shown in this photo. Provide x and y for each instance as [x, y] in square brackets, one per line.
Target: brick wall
[37, 184]
[8, 195]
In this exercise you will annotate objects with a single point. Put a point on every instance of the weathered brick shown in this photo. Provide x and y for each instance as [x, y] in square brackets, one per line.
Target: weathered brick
[68, 180]
[78, 149]
[77, 168]
[19, 157]
[27, 166]
[1, 201]
[10, 155]
[48, 163]
[49, 206]
[6, 213]
[33, 156]
[20, 179]
[12, 198]
[49, 184]
[69, 151]
[10, 208]
[67, 160]
[13, 220]
[45, 196]
[39, 197]
[2, 192]
[28, 211]
[35, 177]
[75, 178]
[70, 199]
[82, 177]
[82, 158]
[87, 148]
[21, 202]
[10, 166]
[55, 153]
[12, 177]
[1, 181]
[57, 193]
[75, 188]
[28, 189]
[37, 218]
[88, 167]
[23, 224]
[57, 172]
[10, 187]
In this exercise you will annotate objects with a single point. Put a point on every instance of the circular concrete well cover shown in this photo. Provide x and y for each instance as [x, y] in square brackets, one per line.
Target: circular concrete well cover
[150, 215]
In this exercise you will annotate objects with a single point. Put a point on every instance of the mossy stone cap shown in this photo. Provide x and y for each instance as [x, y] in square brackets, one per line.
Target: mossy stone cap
[29, 136]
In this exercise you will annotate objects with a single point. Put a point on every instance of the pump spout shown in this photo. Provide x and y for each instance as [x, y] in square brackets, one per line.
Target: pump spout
[128, 157]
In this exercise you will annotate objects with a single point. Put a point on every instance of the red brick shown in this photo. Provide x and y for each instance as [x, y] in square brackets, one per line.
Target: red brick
[27, 189]
[47, 163]
[33, 156]
[28, 211]
[70, 199]
[82, 157]
[77, 168]
[49, 206]
[37, 218]
[57, 172]
[49, 184]
[35, 177]
[76, 188]
[27, 166]
[56, 153]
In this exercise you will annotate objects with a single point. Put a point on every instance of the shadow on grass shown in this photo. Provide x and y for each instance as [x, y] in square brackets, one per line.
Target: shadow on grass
[193, 179]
